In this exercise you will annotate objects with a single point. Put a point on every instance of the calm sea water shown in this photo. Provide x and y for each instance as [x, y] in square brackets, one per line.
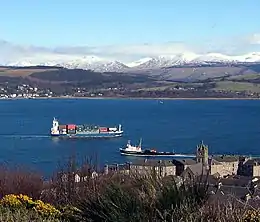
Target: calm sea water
[227, 126]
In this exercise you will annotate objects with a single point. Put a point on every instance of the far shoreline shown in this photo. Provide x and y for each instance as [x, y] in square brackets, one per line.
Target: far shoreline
[128, 98]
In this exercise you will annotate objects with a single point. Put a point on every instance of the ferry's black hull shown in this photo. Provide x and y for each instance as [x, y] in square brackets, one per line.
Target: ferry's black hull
[148, 153]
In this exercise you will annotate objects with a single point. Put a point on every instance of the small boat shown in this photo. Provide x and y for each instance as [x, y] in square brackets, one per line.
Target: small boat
[131, 150]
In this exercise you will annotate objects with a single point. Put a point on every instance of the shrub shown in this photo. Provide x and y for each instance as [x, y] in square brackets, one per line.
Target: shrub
[23, 215]
[19, 180]
[24, 202]
[11, 201]
[142, 199]
[252, 215]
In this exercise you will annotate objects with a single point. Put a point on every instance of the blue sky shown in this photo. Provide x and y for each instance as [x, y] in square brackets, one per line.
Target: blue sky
[102, 22]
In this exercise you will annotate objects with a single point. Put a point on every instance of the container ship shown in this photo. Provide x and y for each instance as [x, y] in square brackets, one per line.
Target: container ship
[84, 131]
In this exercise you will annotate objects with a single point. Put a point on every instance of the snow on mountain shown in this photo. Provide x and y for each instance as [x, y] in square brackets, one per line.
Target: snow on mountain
[192, 58]
[250, 57]
[86, 62]
[20, 64]
[166, 61]
[214, 57]
[138, 62]
[107, 65]
[113, 66]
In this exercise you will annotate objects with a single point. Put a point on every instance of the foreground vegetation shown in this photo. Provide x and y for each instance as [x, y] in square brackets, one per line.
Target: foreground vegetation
[114, 197]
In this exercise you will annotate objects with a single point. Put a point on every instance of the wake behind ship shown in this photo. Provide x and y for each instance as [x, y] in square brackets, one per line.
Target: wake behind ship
[84, 131]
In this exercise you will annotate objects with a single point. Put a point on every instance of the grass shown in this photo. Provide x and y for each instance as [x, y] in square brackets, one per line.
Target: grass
[171, 85]
[244, 77]
[22, 72]
[237, 86]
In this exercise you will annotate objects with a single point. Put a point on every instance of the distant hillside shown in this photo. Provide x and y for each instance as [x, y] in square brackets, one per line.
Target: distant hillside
[63, 80]
[195, 72]
[240, 80]
[57, 77]
[188, 72]
[87, 77]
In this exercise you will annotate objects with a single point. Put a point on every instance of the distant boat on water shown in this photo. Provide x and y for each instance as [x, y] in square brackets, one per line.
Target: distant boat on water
[131, 150]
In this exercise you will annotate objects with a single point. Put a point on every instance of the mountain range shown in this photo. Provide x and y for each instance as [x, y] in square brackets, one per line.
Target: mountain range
[100, 64]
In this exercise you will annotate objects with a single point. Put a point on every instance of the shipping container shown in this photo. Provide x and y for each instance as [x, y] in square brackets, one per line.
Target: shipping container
[71, 131]
[113, 129]
[62, 126]
[103, 129]
[71, 126]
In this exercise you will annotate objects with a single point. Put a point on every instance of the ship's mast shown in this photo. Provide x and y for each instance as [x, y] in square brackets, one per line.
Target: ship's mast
[55, 123]
[140, 143]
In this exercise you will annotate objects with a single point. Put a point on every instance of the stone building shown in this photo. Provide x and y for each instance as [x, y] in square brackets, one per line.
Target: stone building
[202, 154]
[143, 167]
[224, 165]
[193, 166]
[157, 167]
[183, 164]
[119, 168]
[249, 167]
[219, 166]
[203, 163]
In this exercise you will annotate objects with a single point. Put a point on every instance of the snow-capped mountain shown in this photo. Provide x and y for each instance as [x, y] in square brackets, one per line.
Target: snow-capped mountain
[166, 61]
[113, 66]
[214, 57]
[197, 59]
[138, 62]
[99, 64]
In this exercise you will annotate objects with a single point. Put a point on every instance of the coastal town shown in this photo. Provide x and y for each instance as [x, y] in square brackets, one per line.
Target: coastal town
[27, 91]
[237, 175]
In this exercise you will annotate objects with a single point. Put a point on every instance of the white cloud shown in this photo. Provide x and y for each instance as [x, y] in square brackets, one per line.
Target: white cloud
[128, 53]
[255, 39]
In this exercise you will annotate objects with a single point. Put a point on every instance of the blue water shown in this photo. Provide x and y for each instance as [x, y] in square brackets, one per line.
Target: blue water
[227, 126]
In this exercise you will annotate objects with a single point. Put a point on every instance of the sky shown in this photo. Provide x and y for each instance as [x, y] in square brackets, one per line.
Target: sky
[142, 27]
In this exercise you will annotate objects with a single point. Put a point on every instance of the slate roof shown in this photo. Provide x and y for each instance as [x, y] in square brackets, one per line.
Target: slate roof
[215, 162]
[186, 161]
[119, 167]
[195, 170]
[151, 162]
[226, 158]
[253, 161]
